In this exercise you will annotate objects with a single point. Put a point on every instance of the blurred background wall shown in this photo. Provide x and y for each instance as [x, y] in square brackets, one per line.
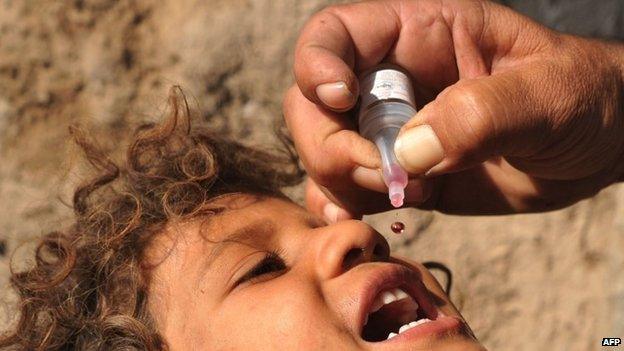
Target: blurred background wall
[532, 282]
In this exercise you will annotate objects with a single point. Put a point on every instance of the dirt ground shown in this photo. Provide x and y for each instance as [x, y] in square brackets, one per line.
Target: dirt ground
[532, 282]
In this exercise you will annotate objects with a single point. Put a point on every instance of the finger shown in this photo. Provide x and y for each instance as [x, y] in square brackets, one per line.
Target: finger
[333, 154]
[474, 120]
[318, 203]
[356, 202]
[482, 115]
[441, 43]
[345, 166]
[334, 41]
[437, 43]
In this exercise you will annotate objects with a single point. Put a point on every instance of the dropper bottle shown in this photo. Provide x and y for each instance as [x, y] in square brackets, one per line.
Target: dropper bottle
[386, 104]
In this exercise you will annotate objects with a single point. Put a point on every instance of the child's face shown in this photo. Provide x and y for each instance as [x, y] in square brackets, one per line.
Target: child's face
[217, 286]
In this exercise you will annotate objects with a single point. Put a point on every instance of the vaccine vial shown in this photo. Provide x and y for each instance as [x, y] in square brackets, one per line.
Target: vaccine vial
[386, 104]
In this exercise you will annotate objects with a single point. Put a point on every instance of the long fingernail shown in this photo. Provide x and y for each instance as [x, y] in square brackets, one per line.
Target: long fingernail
[333, 213]
[418, 149]
[335, 95]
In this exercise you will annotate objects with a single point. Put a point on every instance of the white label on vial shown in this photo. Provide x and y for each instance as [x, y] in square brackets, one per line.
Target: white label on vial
[386, 84]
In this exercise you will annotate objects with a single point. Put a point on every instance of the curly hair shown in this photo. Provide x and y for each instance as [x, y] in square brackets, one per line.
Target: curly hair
[87, 289]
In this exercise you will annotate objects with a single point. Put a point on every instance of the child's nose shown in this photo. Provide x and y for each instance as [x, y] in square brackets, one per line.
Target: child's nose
[347, 244]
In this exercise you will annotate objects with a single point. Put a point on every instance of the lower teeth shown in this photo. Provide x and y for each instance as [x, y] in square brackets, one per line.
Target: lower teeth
[408, 326]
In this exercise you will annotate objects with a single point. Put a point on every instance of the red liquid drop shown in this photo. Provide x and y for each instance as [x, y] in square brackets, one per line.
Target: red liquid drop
[398, 227]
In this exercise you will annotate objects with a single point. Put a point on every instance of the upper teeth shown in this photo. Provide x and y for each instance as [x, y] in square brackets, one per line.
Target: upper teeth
[409, 326]
[387, 297]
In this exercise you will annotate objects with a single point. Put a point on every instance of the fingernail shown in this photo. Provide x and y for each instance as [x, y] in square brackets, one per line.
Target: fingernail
[368, 178]
[418, 149]
[437, 170]
[333, 213]
[335, 95]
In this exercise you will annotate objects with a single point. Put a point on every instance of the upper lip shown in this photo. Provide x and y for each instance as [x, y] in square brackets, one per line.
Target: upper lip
[391, 276]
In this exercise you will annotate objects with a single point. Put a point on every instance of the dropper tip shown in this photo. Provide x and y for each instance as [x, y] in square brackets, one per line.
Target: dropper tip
[396, 201]
[396, 194]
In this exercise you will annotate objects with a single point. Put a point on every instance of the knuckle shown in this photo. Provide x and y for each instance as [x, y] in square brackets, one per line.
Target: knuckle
[319, 20]
[467, 96]
[471, 112]
[316, 162]
[331, 10]
[320, 171]
[329, 162]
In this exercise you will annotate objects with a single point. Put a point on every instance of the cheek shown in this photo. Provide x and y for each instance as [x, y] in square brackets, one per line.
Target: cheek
[271, 316]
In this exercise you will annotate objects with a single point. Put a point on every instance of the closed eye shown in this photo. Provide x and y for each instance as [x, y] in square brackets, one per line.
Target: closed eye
[271, 265]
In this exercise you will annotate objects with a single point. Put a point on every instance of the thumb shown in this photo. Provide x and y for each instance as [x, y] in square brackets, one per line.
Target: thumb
[470, 122]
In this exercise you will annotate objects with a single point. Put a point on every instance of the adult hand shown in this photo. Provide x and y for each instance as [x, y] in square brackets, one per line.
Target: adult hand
[513, 117]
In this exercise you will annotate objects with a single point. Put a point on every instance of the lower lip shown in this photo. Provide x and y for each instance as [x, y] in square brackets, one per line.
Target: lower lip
[442, 326]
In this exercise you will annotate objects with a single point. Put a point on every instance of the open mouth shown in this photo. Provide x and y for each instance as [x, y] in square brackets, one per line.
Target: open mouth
[393, 312]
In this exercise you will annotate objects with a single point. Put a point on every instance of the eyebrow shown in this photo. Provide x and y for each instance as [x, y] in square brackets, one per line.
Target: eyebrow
[242, 236]
[260, 228]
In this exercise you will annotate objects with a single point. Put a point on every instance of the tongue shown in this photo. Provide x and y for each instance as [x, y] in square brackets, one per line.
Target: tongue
[398, 311]
[389, 319]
